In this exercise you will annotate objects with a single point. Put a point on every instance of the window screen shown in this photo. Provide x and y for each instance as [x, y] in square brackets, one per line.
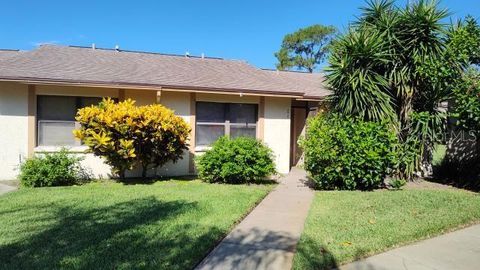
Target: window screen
[56, 118]
[243, 113]
[209, 112]
[56, 108]
[218, 119]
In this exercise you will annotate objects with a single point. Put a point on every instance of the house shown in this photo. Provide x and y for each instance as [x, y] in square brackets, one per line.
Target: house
[41, 90]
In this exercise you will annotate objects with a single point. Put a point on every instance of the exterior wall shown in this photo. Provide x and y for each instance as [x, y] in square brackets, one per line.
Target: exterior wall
[142, 97]
[228, 98]
[277, 130]
[180, 103]
[14, 131]
[14, 138]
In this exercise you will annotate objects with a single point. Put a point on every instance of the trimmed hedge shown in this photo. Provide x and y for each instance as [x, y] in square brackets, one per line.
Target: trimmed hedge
[52, 169]
[347, 153]
[240, 160]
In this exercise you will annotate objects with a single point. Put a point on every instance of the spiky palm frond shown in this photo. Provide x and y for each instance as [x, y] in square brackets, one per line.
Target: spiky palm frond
[356, 74]
[374, 11]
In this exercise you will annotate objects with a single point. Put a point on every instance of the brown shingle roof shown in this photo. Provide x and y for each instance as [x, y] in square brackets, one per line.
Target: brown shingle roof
[312, 84]
[5, 53]
[55, 63]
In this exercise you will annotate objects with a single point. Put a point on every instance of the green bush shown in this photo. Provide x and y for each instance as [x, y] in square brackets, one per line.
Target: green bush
[52, 169]
[240, 160]
[398, 184]
[346, 153]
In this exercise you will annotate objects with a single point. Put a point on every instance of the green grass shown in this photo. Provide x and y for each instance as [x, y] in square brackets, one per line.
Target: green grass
[346, 225]
[105, 225]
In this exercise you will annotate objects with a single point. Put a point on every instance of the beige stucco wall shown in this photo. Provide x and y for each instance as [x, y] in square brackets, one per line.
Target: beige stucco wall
[277, 130]
[180, 104]
[13, 131]
[141, 97]
[14, 135]
[228, 98]
[76, 91]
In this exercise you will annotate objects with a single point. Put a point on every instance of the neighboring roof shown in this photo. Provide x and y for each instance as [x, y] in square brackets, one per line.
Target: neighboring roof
[7, 53]
[53, 63]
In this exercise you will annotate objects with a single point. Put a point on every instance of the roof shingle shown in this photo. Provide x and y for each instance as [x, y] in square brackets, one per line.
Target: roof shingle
[86, 65]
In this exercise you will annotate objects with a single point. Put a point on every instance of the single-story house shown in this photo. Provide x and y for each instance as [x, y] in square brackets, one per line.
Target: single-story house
[41, 90]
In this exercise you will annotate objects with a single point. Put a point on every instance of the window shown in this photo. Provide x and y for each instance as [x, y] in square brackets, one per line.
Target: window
[56, 118]
[217, 119]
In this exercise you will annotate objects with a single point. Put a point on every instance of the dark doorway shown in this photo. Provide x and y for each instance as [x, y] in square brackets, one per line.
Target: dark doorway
[298, 117]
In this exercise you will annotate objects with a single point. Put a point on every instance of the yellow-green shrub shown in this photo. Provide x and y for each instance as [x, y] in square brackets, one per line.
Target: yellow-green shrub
[127, 135]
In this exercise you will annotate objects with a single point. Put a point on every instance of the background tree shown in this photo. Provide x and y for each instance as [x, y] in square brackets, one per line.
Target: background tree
[399, 64]
[305, 48]
[467, 102]
[464, 41]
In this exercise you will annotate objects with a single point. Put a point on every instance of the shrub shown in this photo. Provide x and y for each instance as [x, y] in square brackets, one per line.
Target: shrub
[347, 153]
[127, 135]
[240, 160]
[466, 97]
[52, 169]
[397, 184]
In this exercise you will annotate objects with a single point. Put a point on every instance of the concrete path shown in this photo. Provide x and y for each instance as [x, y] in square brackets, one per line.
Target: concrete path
[6, 188]
[267, 237]
[459, 250]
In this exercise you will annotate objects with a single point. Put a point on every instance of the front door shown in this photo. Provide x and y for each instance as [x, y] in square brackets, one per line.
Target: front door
[298, 121]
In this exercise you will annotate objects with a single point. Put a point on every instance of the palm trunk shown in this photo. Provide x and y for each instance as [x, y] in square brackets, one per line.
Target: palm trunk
[405, 110]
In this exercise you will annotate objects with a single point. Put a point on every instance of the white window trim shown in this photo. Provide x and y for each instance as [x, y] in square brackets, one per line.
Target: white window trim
[76, 124]
[202, 148]
[52, 149]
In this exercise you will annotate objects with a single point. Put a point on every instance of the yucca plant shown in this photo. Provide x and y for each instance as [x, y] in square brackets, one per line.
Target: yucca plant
[392, 65]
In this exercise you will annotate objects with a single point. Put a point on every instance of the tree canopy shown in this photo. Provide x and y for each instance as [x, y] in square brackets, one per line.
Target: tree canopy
[305, 48]
[467, 102]
[398, 64]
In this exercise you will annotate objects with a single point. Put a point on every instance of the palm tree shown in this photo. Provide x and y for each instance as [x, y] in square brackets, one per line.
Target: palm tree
[385, 69]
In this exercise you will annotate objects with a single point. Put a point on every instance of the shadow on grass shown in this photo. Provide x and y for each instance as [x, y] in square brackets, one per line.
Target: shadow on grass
[313, 255]
[152, 180]
[466, 175]
[148, 181]
[128, 235]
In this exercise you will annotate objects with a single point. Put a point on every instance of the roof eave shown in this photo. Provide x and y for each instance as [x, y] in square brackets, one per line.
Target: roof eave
[143, 86]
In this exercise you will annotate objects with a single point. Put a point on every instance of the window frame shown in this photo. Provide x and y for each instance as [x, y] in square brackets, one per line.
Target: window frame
[38, 120]
[226, 124]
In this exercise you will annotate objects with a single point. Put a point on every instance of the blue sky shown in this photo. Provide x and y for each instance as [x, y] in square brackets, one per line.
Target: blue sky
[251, 30]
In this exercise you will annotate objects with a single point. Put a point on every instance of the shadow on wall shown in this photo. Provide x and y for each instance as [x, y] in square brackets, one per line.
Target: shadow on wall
[122, 236]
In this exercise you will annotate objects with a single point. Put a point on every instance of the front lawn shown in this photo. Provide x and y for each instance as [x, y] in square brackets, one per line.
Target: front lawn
[105, 225]
[347, 225]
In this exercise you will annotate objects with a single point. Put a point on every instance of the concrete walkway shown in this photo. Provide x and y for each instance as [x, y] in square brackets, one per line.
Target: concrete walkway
[6, 188]
[459, 250]
[267, 237]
